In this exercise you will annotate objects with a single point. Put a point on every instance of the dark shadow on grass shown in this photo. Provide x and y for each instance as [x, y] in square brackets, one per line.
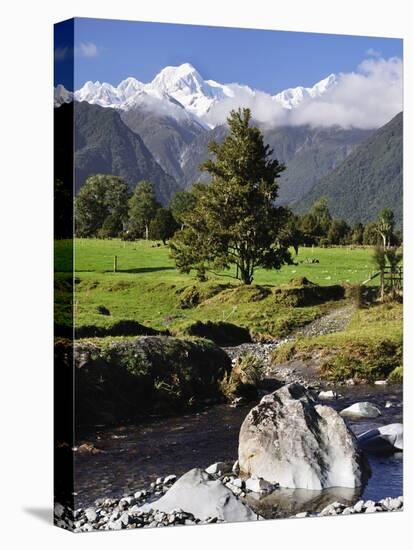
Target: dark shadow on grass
[44, 514]
[144, 269]
[132, 270]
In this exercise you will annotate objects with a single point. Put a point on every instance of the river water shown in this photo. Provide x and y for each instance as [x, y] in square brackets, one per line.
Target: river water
[133, 456]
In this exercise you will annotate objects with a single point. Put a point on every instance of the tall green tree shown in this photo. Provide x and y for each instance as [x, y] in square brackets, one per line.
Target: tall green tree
[143, 206]
[101, 196]
[181, 204]
[357, 233]
[338, 232]
[234, 219]
[163, 225]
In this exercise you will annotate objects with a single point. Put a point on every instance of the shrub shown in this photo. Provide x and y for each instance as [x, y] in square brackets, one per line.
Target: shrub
[244, 377]
[102, 310]
[396, 375]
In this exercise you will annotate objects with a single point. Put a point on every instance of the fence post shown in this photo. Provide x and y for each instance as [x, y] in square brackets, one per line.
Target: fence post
[115, 264]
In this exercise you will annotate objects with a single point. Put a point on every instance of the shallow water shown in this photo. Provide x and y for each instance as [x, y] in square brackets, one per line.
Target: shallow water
[136, 455]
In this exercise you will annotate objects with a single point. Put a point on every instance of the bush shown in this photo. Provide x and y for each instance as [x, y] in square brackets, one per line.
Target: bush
[102, 310]
[221, 333]
[244, 377]
[396, 375]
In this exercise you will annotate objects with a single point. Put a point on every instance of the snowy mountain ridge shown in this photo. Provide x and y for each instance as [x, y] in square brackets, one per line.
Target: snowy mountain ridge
[181, 92]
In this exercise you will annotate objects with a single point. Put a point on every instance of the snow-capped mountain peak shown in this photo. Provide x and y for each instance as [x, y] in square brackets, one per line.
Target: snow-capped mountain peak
[292, 97]
[180, 91]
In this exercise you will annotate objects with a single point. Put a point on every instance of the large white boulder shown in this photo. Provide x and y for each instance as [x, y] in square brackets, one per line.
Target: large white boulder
[289, 439]
[361, 410]
[204, 497]
[385, 438]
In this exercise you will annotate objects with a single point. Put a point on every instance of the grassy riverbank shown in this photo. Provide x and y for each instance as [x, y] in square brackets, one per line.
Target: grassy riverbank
[370, 348]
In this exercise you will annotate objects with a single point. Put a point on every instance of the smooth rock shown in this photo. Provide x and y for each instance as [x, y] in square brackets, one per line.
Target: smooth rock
[258, 485]
[329, 394]
[218, 468]
[204, 497]
[380, 383]
[290, 440]
[385, 438]
[90, 514]
[361, 410]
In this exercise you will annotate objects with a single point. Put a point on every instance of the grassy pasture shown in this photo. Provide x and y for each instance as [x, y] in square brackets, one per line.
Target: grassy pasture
[336, 265]
[147, 288]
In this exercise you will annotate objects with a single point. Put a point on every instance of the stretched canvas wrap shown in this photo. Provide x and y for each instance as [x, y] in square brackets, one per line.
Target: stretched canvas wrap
[228, 274]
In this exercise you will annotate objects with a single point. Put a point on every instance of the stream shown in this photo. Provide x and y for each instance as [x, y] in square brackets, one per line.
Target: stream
[133, 456]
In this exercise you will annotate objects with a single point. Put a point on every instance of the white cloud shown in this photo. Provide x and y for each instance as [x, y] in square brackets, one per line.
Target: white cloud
[371, 52]
[61, 53]
[87, 49]
[366, 98]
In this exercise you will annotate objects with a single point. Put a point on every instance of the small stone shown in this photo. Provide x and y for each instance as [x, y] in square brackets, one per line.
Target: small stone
[115, 525]
[302, 515]
[58, 510]
[258, 485]
[388, 404]
[169, 479]
[358, 507]
[347, 511]
[238, 482]
[329, 394]
[90, 514]
[159, 481]
[218, 468]
[235, 468]
[370, 510]
[380, 383]
[87, 527]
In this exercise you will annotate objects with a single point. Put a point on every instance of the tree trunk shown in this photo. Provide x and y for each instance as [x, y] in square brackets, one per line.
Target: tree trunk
[147, 232]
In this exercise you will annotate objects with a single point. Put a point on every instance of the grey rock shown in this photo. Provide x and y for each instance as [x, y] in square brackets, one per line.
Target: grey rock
[358, 507]
[202, 496]
[361, 410]
[290, 440]
[218, 468]
[90, 514]
[329, 394]
[385, 438]
[258, 485]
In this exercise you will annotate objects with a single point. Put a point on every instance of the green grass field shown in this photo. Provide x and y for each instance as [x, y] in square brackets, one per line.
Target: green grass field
[144, 259]
[147, 288]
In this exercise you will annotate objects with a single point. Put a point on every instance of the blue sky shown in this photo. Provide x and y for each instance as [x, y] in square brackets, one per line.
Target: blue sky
[110, 50]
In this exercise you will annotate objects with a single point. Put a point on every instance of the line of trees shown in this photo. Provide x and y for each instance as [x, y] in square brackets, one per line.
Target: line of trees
[105, 208]
[318, 227]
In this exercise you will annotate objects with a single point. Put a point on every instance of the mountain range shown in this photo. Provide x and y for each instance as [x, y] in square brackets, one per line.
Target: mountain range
[369, 179]
[160, 131]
